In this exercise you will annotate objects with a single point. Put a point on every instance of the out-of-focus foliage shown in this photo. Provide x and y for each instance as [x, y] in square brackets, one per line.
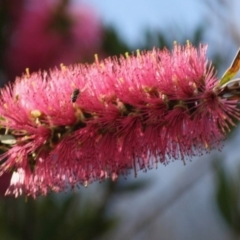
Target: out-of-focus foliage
[228, 196]
[52, 218]
[112, 44]
[64, 216]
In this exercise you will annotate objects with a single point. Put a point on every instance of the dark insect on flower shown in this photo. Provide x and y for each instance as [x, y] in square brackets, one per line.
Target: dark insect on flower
[75, 95]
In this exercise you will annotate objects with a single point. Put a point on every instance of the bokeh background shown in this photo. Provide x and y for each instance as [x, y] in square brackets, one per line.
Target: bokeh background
[200, 200]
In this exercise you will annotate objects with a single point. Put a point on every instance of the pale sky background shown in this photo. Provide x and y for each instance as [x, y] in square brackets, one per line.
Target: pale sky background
[194, 215]
[131, 17]
[177, 18]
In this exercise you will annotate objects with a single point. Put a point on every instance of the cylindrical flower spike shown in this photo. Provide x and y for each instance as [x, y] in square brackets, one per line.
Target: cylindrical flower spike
[90, 122]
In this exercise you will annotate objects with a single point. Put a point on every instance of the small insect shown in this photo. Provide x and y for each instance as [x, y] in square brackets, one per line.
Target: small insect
[75, 95]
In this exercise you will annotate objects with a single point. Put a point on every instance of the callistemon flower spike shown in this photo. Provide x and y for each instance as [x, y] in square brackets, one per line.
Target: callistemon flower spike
[83, 123]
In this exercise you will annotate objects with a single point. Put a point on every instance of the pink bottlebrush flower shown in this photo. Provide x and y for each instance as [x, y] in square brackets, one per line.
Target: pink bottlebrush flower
[51, 32]
[90, 122]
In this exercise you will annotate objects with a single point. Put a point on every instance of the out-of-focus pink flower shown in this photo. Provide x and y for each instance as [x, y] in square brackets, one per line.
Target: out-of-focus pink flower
[131, 113]
[51, 32]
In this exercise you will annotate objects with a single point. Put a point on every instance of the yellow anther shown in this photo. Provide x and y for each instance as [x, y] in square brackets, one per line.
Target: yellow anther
[63, 67]
[27, 72]
[138, 53]
[36, 113]
[96, 58]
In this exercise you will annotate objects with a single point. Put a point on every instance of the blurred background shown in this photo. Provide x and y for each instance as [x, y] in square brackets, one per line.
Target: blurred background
[198, 201]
